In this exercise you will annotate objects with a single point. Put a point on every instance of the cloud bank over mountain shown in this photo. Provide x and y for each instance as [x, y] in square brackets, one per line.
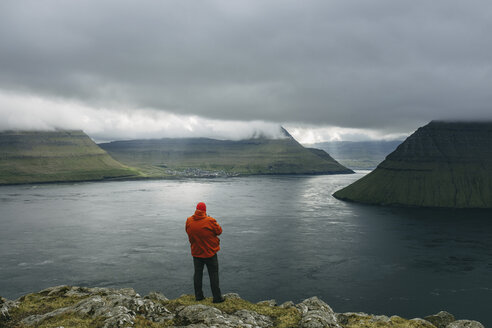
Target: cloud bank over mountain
[384, 65]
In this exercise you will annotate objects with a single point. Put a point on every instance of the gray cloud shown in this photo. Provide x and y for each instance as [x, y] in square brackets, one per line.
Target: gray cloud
[382, 64]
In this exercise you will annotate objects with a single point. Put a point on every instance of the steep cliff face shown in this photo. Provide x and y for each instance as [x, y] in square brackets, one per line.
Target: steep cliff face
[443, 164]
[43, 156]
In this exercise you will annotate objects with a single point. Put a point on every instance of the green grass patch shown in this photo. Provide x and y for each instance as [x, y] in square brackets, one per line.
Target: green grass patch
[394, 322]
[33, 304]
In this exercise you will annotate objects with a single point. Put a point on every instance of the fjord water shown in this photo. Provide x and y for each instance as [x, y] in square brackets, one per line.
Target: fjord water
[285, 237]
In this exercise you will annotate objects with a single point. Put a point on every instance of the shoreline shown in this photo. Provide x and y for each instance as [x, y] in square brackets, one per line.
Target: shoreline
[171, 177]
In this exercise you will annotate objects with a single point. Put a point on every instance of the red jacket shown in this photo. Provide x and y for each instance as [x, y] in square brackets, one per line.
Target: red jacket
[202, 232]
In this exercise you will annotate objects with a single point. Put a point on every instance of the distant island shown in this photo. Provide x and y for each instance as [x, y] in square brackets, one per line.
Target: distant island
[359, 155]
[64, 156]
[211, 157]
[443, 164]
[55, 156]
[80, 307]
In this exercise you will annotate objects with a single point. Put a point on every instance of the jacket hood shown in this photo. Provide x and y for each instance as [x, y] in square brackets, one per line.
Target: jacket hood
[199, 215]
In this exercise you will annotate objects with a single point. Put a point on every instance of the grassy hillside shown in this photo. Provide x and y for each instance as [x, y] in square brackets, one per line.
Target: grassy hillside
[40, 156]
[442, 164]
[160, 157]
[359, 155]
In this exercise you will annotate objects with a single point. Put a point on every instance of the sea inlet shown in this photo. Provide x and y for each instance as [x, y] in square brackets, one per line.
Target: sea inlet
[285, 237]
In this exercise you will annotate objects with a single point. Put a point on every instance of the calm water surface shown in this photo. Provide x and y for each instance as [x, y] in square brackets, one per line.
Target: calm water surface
[284, 237]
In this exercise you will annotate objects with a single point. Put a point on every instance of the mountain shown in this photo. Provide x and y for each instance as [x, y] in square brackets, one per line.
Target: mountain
[443, 164]
[359, 155]
[40, 156]
[202, 157]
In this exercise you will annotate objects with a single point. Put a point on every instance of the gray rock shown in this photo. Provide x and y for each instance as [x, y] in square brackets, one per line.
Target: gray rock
[99, 291]
[254, 319]
[39, 318]
[313, 303]
[268, 302]
[32, 320]
[117, 317]
[441, 319]
[119, 308]
[318, 319]
[89, 306]
[145, 307]
[128, 292]
[465, 324]
[157, 297]
[316, 314]
[5, 306]
[287, 305]
[200, 314]
[78, 292]
[126, 307]
[231, 296]
[55, 291]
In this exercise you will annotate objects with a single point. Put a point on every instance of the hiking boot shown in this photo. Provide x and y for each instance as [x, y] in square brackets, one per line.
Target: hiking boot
[220, 300]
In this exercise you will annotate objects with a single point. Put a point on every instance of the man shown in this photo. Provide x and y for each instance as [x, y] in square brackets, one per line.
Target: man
[202, 232]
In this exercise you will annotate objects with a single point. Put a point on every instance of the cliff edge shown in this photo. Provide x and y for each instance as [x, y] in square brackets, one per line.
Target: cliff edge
[67, 306]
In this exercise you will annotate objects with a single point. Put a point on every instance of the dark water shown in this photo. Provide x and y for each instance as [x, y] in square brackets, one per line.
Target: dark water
[284, 237]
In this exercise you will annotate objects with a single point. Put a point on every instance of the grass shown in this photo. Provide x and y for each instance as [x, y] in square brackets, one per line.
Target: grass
[36, 157]
[394, 322]
[40, 304]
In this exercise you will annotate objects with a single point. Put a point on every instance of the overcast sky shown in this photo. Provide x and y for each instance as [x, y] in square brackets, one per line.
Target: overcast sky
[328, 69]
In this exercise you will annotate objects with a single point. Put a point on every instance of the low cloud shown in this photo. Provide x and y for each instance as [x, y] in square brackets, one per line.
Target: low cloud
[309, 134]
[21, 112]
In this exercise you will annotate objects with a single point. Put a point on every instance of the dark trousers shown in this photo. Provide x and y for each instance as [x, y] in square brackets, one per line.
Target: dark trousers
[212, 264]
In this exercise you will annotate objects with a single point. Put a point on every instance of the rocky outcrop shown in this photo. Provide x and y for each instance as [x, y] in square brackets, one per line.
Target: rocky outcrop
[443, 164]
[210, 316]
[441, 319]
[116, 308]
[66, 306]
[5, 306]
[316, 314]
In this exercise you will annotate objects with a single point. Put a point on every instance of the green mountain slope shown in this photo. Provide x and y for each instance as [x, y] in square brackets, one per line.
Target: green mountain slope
[443, 164]
[35, 156]
[201, 156]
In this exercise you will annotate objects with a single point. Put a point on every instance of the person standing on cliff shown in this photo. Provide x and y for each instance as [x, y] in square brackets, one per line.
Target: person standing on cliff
[202, 233]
